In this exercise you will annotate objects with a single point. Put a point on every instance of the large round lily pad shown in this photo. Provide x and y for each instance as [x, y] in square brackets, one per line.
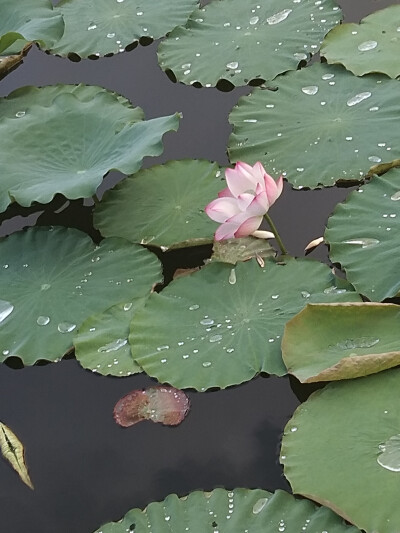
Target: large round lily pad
[371, 46]
[70, 147]
[342, 449]
[240, 40]
[222, 325]
[163, 205]
[363, 236]
[53, 279]
[105, 27]
[101, 343]
[233, 511]
[322, 125]
[30, 20]
[327, 342]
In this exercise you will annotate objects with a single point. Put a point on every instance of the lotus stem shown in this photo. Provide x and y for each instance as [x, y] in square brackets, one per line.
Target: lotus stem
[275, 232]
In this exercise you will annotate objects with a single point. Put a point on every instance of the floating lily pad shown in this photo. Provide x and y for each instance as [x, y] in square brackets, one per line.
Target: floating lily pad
[101, 344]
[69, 148]
[163, 205]
[322, 125]
[106, 27]
[30, 20]
[341, 448]
[231, 39]
[327, 342]
[371, 46]
[222, 325]
[363, 237]
[237, 510]
[164, 405]
[53, 279]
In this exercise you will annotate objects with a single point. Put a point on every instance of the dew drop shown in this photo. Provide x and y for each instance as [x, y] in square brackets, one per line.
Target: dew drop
[389, 457]
[6, 352]
[310, 89]
[42, 320]
[193, 307]
[328, 76]
[254, 20]
[66, 327]
[127, 306]
[358, 98]
[374, 159]
[113, 346]
[5, 310]
[233, 65]
[279, 17]
[300, 56]
[92, 26]
[364, 242]
[395, 196]
[215, 338]
[367, 45]
[161, 348]
[275, 296]
[360, 342]
[110, 35]
[305, 294]
[232, 277]
[207, 322]
[20, 114]
[206, 364]
[259, 505]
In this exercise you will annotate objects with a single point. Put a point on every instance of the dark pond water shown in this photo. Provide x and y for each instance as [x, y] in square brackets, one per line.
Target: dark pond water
[85, 468]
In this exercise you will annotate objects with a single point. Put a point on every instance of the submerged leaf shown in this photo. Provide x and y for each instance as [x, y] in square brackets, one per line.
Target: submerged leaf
[13, 450]
[166, 405]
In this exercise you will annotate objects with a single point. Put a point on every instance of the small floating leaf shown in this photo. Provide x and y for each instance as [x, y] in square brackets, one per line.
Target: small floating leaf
[228, 40]
[363, 236]
[222, 325]
[327, 342]
[166, 405]
[13, 450]
[341, 448]
[162, 206]
[347, 129]
[230, 511]
[69, 146]
[103, 27]
[371, 46]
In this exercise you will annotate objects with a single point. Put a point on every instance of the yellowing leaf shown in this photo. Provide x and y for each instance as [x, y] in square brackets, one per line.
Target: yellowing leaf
[13, 450]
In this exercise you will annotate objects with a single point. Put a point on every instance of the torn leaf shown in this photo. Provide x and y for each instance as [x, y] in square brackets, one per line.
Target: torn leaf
[13, 450]
[166, 405]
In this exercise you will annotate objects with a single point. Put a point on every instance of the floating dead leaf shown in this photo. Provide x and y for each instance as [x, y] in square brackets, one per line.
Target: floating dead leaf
[10, 63]
[313, 244]
[13, 450]
[166, 405]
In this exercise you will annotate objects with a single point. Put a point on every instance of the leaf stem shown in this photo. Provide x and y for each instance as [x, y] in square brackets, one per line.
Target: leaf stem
[275, 232]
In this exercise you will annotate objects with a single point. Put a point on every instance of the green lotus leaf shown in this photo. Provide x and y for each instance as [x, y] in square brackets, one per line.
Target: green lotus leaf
[342, 449]
[105, 27]
[101, 344]
[371, 46]
[255, 510]
[363, 234]
[30, 20]
[21, 100]
[320, 126]
[222, 325]
[327, 342]
[230, 40]
[241, 249]
[70, 147]
[163, 205]
[53, 279]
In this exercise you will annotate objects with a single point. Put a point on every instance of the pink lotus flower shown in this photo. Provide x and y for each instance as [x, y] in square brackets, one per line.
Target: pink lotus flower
[241, 206]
